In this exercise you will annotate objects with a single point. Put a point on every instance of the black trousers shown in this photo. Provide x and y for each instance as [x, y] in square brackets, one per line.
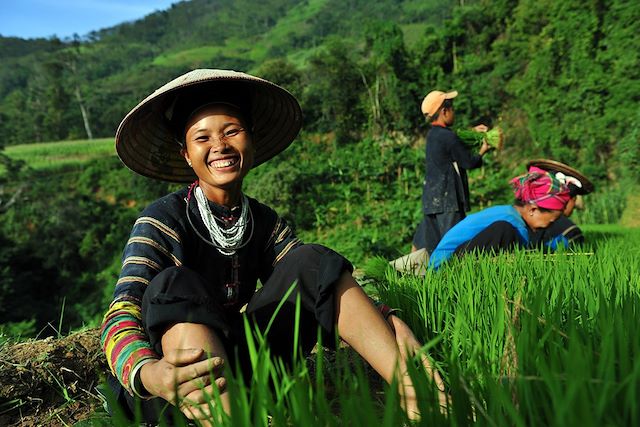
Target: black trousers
[433, 227]
[179, 294]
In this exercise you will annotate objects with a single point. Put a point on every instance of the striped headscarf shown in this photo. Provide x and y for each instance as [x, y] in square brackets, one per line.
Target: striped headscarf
[541, 188]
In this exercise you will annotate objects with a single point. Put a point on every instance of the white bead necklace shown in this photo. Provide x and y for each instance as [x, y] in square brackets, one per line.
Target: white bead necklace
[228, 240]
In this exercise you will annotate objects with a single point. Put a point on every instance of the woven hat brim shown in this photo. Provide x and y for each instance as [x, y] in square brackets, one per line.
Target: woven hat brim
[145, 142]
[555, 166]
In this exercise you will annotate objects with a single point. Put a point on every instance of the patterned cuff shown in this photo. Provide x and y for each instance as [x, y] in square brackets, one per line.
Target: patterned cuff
[384, 309]
[135, 382]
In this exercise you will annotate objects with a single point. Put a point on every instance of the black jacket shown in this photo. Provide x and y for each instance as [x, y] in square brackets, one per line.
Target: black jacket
[445, 189]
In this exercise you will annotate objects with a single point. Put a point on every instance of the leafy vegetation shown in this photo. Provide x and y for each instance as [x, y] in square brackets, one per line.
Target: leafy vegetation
[522, 339]
[529, 338]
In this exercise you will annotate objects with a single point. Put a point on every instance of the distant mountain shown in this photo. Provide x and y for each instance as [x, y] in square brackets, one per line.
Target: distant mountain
[561, 77]
[113, 67]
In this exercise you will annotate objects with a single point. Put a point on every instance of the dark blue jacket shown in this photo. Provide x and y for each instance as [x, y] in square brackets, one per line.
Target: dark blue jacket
[446, 190]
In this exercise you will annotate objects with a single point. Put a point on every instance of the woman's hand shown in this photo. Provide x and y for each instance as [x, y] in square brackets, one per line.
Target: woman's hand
[410, 346]
[184, 378]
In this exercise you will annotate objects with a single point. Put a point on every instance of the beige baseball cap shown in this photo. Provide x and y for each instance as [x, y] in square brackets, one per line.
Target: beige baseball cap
[434, 99]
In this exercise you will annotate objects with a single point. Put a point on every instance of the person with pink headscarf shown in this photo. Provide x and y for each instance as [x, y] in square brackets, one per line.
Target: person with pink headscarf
[562, 232]
[540, 199]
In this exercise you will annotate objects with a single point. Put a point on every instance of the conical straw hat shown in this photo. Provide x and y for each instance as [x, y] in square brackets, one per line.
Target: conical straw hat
[147, 141]
[555, 166]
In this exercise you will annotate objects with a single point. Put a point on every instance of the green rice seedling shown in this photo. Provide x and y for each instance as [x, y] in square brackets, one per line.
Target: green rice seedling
[472, 139]
[524, 338]
[528, 338]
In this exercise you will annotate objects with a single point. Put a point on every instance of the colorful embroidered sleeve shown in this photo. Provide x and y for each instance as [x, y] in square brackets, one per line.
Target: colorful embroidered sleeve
[153, 246]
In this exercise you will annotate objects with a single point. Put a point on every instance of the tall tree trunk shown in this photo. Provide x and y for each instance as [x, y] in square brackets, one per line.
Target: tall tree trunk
[85, 113]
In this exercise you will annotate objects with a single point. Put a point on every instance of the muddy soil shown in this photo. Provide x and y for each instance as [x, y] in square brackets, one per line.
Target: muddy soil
[51, 382]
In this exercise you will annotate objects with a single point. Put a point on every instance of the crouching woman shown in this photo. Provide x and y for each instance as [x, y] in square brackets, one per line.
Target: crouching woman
[540, 199]
[194, 257]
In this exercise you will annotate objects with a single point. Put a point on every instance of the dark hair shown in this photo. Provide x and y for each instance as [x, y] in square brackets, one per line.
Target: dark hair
[192, 99]
[574, 190]
[522, 203]
[447, 104]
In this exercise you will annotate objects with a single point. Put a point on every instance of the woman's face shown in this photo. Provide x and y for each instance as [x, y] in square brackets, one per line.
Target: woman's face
[537, 218]
[219, 148]
[568, 209]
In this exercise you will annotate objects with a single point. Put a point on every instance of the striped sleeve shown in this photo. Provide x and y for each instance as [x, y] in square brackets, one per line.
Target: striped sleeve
[152, 247]
[283, 240]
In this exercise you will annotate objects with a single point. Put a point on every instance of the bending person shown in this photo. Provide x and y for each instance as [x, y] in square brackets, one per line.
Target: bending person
[539, 200]
[191, 265]
[563, 231]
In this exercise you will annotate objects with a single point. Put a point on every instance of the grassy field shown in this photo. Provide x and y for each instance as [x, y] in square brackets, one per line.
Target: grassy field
[54, 156]
[521, 339]
[535, 339]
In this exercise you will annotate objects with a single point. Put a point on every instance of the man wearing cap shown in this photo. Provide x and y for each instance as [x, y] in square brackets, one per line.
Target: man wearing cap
[445, 196]
[563, 231]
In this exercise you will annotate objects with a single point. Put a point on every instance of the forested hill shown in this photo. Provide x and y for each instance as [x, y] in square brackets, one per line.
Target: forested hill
[563, 78]
[44, 84]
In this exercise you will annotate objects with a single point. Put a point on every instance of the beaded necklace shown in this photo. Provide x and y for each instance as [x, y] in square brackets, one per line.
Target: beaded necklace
[226, 241]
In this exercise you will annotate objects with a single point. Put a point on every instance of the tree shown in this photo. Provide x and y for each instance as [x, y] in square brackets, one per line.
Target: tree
[389, 79]
[333, 87]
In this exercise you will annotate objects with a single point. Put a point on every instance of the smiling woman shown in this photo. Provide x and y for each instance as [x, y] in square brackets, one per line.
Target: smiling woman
[192, 263]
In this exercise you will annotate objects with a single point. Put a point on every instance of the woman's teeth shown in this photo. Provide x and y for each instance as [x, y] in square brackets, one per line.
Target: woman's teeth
[223, 163]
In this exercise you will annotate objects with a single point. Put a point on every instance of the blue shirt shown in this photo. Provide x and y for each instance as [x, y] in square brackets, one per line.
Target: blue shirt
[474, 224]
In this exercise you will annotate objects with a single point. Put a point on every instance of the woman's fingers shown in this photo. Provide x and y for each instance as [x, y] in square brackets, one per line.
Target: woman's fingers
[195, 411]
[187, 373]
[183, 356]
[199, 403]
[200, 388]
[185, 389]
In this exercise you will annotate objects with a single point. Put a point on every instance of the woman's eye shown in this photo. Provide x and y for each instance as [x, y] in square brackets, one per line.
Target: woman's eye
[202, 138]
[232, 132]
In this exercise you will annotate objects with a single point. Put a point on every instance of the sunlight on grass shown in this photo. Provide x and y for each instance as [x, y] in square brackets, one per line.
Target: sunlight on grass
[188, 57]
[534, 338]
[50, 156]
[523, 338]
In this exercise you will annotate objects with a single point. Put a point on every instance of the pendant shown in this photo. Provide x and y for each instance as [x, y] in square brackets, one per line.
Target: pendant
[232, 289]
[231, 293]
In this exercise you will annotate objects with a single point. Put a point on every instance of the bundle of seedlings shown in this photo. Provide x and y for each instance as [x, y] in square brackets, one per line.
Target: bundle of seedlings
[473, 139]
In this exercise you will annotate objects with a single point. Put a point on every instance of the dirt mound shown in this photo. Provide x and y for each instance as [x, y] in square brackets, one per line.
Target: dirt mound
[50, 382]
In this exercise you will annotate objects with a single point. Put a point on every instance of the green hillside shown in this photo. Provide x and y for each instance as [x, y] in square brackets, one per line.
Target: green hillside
[562, 79]
[564, 87]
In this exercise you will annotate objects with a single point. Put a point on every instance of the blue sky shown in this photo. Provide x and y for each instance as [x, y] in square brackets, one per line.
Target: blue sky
[63, 18]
